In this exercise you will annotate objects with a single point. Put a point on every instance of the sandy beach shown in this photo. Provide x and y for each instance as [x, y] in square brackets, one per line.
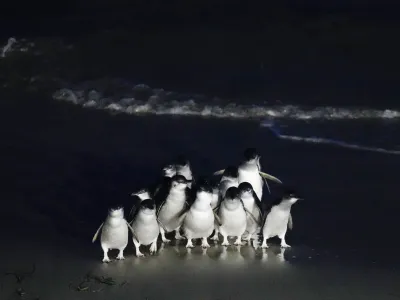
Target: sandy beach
[63, 169]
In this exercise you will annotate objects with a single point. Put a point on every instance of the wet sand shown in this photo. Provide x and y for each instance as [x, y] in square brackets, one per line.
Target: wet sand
[63, 166]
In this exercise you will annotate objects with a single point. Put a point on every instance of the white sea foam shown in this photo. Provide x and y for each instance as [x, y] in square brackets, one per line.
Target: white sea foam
[160, 102]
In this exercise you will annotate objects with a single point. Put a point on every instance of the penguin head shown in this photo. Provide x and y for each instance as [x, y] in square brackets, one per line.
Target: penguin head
[245, 189]
[169, 171]
[142, 194]
[231, 172]
[147, 206]
[215, 187]
[181, 160]
[232, 200]
[290, 196]
[251, 155]
[116, 211]
[179, 182]
[204, 186]
[232, 194]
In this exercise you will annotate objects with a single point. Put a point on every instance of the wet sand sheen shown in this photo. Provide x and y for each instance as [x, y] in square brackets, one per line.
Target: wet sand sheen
[63, 169]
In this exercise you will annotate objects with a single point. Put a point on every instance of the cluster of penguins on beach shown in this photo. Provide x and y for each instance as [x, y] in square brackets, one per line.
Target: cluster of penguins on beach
[229, 207]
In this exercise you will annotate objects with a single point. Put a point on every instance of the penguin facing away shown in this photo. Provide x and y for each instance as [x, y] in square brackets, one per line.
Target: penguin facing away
[114, 233]
[277, 218]
[146, 227]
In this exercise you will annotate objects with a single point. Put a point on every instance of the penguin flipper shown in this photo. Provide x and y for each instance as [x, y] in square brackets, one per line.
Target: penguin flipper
[161, 225]
[217, 219]
[97, 233]
[220, 172]
[270, 177]
[290, 222]
[251, 215]
[131, 229]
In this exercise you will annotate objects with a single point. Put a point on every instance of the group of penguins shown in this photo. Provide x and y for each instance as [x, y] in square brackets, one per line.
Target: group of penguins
[230, 207]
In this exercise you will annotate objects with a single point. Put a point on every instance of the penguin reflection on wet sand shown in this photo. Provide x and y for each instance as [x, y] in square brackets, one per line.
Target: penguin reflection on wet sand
[277, 218]
[146, 227]
[198, 220]
[114, 233]
[172, 204]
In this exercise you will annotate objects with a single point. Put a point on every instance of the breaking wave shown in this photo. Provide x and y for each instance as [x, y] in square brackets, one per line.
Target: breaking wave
[143, 100]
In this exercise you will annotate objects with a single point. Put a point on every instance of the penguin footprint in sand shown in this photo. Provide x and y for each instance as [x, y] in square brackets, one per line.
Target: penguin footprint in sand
[114, 233]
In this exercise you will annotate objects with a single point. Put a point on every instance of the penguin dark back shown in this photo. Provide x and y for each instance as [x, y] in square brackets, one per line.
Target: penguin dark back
[148, 203]
[250, 153]
[245, 187]
[231, 171]
[179, 179]
[204, 185]
[181, 160]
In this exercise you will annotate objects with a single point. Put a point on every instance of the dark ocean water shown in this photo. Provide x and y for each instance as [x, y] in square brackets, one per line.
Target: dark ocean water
[84, 124]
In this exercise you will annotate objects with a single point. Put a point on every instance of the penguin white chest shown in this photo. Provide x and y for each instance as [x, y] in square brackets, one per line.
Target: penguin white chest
[233, 221]
[199, 223]
[253, 177]
[114, 236]
[146, 228]
[168, 214]
[276, 222]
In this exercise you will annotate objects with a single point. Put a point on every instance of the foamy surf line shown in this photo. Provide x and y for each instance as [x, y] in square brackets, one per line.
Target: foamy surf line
[319, 140]
[143, 100]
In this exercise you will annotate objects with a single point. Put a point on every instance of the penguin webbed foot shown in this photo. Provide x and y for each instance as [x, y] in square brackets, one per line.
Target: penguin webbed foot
[189, 244]
[178, 236]
[153, 247]
[215, 237]
[166, 241]
[204, 243]
[264, 245]
[106, 260]
[139, 254]
[238, 241]
[284, 245]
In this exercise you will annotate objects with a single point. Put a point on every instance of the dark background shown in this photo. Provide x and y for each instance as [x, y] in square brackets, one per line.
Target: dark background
[43, 17]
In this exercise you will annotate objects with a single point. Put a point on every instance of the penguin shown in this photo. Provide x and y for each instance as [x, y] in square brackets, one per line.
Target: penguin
[114, 233]
[139, 196]
[233, 216]
[172, 204]
[229, 178]
[277, 218]
[182, 167]
[215, 194]
[146, 227]
[250, 171]
[253, 205]
[169, 171]
[143, 194]
[198, 220]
